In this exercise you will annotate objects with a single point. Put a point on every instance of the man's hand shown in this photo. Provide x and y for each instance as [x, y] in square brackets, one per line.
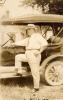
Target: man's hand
[12, 45]
[37, 52]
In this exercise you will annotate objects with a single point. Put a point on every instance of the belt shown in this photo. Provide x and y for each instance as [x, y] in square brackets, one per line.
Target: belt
[32, 49]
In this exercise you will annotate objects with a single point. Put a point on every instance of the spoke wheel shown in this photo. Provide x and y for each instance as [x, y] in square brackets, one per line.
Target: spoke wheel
[54, 73]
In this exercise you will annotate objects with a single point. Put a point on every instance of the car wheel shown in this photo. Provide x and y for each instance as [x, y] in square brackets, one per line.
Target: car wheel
[54, 73]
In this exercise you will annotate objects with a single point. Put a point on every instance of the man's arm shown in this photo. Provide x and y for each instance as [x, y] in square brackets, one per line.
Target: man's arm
[44, 44]
[21, 43]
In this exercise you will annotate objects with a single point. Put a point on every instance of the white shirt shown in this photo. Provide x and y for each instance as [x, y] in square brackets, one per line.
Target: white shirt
[36, 41]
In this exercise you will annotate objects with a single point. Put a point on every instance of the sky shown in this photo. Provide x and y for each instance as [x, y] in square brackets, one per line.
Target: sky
[13, 6]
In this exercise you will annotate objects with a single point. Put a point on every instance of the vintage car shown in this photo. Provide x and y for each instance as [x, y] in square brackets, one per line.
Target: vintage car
[51, 66]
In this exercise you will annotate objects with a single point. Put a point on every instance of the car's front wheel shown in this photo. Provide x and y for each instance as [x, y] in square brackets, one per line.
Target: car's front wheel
[54, 73]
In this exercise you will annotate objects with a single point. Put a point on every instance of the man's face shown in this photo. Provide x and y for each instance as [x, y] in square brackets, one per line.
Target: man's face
[30, 31]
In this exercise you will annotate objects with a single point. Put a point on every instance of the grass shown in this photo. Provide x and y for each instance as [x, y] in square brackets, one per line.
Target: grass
[21, 89]
[15, 89]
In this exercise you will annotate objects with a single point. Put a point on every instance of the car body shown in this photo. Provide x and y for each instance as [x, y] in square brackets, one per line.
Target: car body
[51, 67]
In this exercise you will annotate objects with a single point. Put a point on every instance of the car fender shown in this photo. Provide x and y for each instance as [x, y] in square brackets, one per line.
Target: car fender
[48, 60]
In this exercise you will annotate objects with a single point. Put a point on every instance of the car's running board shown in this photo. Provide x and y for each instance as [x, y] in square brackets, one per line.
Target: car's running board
[9, 72]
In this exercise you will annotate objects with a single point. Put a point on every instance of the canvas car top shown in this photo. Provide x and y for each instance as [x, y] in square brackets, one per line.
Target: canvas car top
[43, 18]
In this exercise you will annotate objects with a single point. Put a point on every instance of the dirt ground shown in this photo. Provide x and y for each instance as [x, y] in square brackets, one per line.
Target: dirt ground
[21, 89]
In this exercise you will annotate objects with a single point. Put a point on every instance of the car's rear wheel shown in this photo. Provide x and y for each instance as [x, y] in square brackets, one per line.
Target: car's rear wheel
[54, 73]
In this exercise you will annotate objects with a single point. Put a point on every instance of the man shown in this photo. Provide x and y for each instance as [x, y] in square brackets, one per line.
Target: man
[35, 44]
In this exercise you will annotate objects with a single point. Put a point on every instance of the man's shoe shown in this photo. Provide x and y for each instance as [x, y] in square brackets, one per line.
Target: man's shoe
[35, 91]
[18, 74]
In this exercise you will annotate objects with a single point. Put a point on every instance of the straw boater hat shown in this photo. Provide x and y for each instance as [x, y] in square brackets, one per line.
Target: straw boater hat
[30, 26]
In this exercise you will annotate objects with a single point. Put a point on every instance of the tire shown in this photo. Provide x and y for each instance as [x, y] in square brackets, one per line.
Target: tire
[54, 73]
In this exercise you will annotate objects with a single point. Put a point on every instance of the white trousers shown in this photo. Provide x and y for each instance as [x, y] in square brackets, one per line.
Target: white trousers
[19, 58]
[34, 62]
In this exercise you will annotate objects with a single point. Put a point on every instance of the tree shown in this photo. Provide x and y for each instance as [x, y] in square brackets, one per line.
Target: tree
[29, 2]
[54, 6]
[39, 3]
